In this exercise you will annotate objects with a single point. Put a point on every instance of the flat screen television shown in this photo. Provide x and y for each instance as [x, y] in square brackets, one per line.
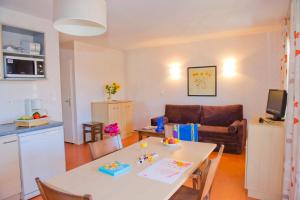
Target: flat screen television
[276, 105]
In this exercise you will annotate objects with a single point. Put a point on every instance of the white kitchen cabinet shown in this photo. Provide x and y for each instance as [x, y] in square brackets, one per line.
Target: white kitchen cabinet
[10, 182]
[120, 112]
[264, 160]
[42, 155]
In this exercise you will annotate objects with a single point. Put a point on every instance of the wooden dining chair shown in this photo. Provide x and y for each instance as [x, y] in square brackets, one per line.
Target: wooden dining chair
[50, 193]
[207, 178]
[103, 147]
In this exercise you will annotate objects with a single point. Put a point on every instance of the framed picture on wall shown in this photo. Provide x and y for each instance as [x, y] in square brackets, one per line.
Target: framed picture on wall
[202, 81]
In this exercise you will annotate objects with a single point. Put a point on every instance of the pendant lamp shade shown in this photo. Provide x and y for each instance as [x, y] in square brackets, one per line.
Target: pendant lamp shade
[80, 17]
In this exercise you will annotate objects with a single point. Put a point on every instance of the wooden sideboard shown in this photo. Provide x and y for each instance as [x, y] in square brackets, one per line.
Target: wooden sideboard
[265, 159]
[109, 112]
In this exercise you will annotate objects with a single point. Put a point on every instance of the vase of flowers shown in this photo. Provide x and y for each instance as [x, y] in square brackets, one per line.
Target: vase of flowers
[111, 89]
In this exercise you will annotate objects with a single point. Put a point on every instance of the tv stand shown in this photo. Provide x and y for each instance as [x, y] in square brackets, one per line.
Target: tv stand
[265, 159]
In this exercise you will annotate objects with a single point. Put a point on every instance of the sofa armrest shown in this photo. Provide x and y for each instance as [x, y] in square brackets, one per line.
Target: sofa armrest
[233, 128]
[154, 120]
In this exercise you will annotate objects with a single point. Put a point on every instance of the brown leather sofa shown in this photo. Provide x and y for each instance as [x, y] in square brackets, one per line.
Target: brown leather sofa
[219, 124]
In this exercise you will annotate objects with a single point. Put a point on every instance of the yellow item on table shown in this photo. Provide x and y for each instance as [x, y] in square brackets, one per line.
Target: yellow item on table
[180, 163]
[144, 145]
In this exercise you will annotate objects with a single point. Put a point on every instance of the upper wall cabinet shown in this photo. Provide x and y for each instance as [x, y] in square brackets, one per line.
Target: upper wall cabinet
[22, 54]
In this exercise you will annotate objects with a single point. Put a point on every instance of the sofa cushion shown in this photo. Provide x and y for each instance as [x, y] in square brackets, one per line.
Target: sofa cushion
[182, 114]
[216, 134]
[213, 129]
[220, 115]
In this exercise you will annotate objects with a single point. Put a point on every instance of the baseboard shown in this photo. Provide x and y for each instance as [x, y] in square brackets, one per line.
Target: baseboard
[31, 195]
[262, 195]
[15, 197]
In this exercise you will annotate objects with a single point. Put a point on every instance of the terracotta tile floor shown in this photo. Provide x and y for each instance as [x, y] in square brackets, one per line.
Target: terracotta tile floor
[229, 180]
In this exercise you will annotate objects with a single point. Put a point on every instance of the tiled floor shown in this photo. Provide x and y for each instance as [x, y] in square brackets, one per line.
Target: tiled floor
[229, 180]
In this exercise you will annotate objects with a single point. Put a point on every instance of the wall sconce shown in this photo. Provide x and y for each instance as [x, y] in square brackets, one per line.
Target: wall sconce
[175, 71]
[229, 67]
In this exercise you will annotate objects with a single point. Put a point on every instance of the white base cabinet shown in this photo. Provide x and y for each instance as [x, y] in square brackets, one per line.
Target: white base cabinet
[10, 182]
[42, 155]
[264, 160]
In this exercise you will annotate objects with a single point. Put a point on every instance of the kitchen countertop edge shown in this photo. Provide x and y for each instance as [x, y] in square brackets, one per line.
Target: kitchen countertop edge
[11, 129]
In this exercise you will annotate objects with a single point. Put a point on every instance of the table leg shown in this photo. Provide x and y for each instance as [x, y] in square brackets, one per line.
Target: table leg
[140, 136]
[84, 135]
[101, 132]
[93, 134]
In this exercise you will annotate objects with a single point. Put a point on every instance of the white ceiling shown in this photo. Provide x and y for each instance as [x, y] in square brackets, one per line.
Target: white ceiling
[141, 23]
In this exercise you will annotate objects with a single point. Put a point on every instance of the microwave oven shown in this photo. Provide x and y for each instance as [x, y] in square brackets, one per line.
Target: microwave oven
[23, 67]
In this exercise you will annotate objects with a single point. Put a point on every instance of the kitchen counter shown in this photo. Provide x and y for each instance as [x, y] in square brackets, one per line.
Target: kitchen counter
[10, 129]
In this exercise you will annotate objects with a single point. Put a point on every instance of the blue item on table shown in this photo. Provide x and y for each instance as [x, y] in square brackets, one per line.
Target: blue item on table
[160, 125]
[186, 132]
[114, 168]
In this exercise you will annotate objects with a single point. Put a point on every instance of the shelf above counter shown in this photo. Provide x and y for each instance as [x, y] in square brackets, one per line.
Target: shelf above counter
[5, 52]
[22, 54]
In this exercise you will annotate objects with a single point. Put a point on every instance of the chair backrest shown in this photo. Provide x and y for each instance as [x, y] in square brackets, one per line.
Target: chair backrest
[169, 130]
[50, 193]
[103, 147]
[212, 168]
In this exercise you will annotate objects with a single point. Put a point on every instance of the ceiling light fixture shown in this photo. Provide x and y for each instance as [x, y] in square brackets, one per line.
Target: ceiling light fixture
[80, 17]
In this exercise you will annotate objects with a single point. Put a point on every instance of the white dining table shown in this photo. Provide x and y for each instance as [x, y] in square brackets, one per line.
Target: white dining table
[86, 179]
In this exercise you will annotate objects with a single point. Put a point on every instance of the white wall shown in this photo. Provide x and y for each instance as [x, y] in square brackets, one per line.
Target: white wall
[258, 61]
[13, 93]
[94, 67]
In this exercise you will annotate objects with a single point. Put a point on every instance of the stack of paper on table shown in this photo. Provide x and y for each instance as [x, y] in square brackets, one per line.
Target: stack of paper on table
[166, 170]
